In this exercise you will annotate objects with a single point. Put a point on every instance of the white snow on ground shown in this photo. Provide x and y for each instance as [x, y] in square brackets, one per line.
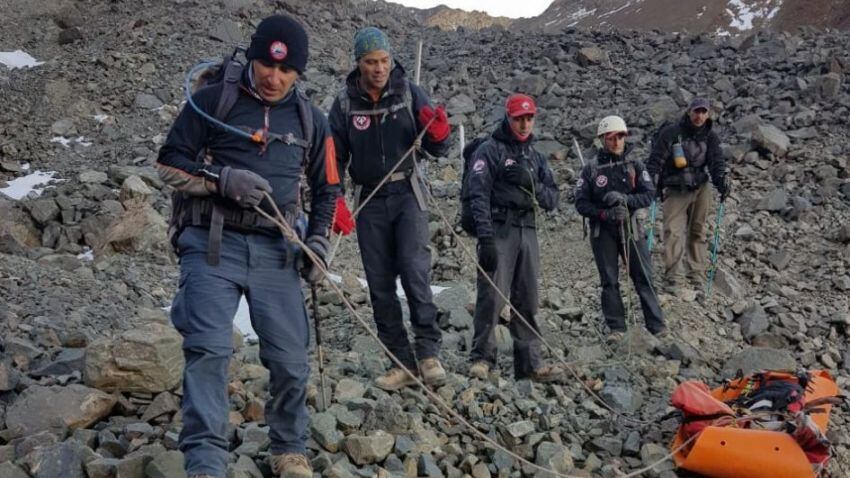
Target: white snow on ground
[87, 255]
[743, 14]
[100, 118]
[18, 59]
[578, 15]
[66, 142]
[30, 185]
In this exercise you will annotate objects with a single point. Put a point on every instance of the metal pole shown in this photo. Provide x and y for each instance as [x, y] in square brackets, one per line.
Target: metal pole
[462, 141]
[578, 151]
[418, 63]
[319, 352]
[715, 245]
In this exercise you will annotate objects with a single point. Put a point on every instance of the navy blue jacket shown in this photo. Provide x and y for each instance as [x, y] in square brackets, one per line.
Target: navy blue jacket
[612, 173]
[702, 150]
[279, 163]
[494, 198]
[373, 144]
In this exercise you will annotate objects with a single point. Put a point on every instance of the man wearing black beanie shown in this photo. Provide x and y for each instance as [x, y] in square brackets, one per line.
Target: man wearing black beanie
[227, 250]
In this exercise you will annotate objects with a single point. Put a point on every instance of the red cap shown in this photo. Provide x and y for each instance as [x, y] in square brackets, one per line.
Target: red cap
[519, 104]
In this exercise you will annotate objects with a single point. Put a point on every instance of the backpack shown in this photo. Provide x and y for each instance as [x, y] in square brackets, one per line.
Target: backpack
[229, 73]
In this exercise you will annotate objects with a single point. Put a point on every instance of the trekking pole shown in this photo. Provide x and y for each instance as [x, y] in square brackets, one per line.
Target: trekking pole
[418, 63]
[715, 244]
[319, 353]
[578, 150]
[650, 231]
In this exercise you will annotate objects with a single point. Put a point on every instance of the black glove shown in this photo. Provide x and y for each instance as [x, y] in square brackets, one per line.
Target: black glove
[243, 186]
[615, 214]
[309, 270]
[488, 256]
[724, 187]
[519, 176]
[614, 198]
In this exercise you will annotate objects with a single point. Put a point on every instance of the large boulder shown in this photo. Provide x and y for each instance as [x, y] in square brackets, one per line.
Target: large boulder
[44, 408]
[148, 358]
[140, 228]
[18, 231]
[754, 359]
[771, 138]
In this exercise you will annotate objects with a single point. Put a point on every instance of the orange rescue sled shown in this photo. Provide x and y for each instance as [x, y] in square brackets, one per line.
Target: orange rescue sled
[731, 451]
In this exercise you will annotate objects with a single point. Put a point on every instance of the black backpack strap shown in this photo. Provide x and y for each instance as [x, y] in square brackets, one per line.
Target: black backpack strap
[229, 89]
[305, 114]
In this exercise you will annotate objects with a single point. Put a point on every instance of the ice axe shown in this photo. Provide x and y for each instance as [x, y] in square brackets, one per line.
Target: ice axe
[715, 244]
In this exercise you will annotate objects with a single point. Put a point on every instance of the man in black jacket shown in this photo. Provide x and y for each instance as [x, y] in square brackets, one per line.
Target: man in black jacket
[374, 120]
[507, 181]
[608, 193]
[683, 157]
[226, 249]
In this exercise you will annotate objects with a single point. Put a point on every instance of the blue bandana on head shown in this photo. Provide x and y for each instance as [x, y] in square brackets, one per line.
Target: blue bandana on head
[370, 39]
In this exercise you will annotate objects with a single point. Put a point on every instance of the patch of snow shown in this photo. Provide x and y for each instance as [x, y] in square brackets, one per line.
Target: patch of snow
[627, 5]
[87, 255]
[744, 14]
[100, 118]
[25, 166]
[28, 186]
[18, 59]
[66, 142]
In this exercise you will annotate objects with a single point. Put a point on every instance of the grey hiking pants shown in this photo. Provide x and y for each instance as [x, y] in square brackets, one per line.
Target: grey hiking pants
[255, 265]
[393, 236]
[516, 276]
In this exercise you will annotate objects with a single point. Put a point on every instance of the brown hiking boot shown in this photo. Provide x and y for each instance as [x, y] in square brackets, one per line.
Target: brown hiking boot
[480, 370]
[291, 465]
[395, 379]
[432, 371]
[547, 373]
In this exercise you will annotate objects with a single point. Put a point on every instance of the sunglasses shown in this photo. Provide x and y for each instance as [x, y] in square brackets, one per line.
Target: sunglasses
[618, 136]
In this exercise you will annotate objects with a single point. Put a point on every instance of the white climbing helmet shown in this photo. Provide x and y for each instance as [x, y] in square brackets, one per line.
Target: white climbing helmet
[611, 124]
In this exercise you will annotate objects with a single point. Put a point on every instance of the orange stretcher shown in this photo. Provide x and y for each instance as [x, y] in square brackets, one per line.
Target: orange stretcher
[735, 452]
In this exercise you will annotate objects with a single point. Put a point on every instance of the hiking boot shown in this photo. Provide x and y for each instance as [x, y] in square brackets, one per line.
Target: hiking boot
[291, 465]
[395, 379]
[616, 336]
[480, 370]
[547, 373]
[432, 371]
[662, 334]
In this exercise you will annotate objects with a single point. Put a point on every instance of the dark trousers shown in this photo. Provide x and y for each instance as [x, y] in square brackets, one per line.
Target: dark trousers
[607, 249]
[516, 276]
[393, 236]
[255, 265]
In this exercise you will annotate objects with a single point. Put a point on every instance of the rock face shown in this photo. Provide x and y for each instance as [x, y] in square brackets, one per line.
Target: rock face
[55, 407]
[145, 359]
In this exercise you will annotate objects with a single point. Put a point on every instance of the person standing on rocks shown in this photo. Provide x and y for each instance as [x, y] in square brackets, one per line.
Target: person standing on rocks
[683, 157]
[508, 180]
[375, 120]
[226, 249]
[608, 193]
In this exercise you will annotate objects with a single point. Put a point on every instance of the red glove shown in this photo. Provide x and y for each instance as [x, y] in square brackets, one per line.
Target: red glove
[439, 129]
[343, 222]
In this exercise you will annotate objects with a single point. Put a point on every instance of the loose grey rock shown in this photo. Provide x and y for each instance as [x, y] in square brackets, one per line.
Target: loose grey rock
[754, 359]
[373, 448]
[73, 406]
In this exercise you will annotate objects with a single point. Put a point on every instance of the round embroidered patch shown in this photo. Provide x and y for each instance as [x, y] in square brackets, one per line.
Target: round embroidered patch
[478, 166]
[579, 183]
[509, 162]
[362, 123]
[278, 50]
[601, 181]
